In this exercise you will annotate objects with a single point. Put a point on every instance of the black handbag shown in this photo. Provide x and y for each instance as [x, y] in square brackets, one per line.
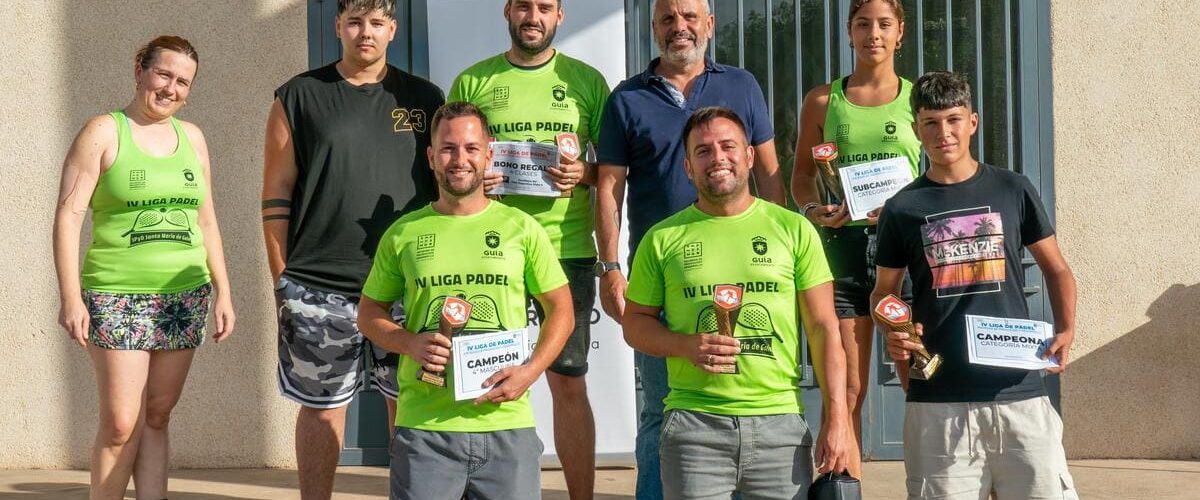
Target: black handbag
[831, 486]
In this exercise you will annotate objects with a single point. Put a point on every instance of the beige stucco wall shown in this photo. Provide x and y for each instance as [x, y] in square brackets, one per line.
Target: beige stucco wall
[63, 61]
[1126, 123]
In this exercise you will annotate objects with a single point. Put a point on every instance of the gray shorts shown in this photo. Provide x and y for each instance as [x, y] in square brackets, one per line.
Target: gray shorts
[323, 359]
[581, 278]
[430, 465]
[1011, 450]
[706, 456]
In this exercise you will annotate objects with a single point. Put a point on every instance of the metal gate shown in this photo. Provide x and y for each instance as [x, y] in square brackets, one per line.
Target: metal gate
[791, 46]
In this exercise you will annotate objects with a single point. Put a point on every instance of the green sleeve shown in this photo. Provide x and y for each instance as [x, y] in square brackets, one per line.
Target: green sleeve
[811, 267]
[386, 281]
[543, 273]
[646, 284]
[458, 91]
[599, 98]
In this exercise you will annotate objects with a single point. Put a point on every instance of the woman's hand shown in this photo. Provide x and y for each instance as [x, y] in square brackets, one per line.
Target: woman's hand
[73, 316]
[224, 317]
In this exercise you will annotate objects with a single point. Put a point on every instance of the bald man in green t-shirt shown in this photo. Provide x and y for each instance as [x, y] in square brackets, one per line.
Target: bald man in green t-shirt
[533, 92]
[730, 243]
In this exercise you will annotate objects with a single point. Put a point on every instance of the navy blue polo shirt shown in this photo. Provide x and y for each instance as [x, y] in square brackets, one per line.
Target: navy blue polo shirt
[642, 129]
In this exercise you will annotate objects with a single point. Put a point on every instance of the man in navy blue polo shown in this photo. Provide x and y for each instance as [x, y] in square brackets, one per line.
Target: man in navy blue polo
[641, 145]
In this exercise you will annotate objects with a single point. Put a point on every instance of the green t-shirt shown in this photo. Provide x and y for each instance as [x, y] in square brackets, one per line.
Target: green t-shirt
[563, 95]
[490, 259]
[774, 254]
[872, 133]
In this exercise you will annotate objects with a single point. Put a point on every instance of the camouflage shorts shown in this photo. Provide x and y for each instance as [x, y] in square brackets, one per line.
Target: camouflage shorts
[324, 360]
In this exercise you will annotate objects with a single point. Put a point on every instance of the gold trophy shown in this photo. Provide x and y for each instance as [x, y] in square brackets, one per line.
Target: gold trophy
[727, 302]
[455, 313]
[825, 159]
[568, 152]
[894, 313]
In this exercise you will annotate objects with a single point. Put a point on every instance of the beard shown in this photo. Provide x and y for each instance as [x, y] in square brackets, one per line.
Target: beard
[459, 191]
[514, 32]
[720, 190]
[685, 57]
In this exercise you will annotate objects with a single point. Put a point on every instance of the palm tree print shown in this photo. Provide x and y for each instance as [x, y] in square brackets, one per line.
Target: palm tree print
[985, 226]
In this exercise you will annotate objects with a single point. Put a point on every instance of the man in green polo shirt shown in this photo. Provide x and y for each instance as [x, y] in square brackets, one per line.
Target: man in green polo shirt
[532, 92]
[491, 256]
[772, 258]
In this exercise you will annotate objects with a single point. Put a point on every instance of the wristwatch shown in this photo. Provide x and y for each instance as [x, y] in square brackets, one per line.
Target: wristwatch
[601, 268]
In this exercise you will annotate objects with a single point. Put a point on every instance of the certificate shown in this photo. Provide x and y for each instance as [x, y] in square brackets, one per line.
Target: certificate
[476, 357]
[523, 165]
[868, 185]
[1008, 343]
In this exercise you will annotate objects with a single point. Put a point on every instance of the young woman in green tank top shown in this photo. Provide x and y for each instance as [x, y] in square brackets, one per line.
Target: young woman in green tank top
[154, 266]
[868, 115]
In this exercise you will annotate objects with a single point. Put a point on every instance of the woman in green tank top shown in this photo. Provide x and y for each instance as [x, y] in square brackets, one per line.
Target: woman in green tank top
[154, 266]
[868, 116]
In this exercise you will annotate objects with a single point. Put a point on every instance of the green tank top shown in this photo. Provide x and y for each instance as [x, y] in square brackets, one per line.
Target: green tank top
[144, 211]
[870, 133]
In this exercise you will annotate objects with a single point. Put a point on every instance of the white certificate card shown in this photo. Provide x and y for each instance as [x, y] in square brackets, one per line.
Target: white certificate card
[868, 185]
[523, 165]
[476, 357]
[1008, 343]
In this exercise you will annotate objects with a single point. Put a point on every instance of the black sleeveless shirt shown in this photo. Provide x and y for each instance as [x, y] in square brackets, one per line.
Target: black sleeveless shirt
[360, 154]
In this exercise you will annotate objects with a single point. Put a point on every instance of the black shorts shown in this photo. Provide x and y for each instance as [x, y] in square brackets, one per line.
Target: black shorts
[851, 255]
[573, 360]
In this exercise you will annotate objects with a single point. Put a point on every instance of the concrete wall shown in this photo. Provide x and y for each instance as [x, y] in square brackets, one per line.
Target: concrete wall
[1126, 122]
[66, 60]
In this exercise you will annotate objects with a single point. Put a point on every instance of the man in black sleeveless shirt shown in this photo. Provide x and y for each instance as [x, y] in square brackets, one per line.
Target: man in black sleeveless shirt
[344, 158]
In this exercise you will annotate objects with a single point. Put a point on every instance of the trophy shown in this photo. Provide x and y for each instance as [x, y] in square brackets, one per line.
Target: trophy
[455, 312]
[568, 152]
[894, 313]
[825, 159]
[727, 302]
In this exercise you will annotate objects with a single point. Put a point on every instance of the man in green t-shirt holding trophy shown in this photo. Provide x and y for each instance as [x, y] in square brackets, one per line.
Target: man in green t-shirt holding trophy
[735, 277]
[471, 261]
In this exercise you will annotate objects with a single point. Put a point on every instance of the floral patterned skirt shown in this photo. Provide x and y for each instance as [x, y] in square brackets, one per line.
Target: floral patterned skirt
[148, 321]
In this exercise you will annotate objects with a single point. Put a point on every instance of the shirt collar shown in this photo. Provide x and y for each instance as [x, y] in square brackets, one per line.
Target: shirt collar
[648, 75]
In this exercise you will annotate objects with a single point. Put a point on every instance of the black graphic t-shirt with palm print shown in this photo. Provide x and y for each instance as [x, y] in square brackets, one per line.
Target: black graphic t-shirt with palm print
[962, 245]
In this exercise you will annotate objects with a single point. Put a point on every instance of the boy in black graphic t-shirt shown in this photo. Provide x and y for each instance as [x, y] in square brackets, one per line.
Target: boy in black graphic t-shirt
[959, 230]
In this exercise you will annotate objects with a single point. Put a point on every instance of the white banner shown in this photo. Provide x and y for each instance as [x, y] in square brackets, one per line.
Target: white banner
[588, 33]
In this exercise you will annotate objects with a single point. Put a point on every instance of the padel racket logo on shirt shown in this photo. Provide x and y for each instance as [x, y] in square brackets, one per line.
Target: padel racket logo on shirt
[160, 224]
